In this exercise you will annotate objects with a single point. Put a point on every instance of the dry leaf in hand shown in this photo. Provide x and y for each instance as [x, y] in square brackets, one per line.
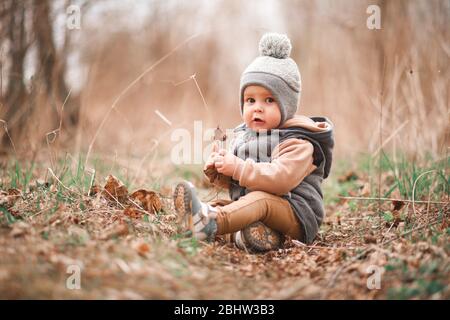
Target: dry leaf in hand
[219, 135]
[149, 199]
[213, 175]
[115, 190]
[217, 178]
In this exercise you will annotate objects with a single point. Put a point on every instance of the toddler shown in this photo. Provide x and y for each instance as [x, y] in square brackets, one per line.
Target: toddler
[274, 168]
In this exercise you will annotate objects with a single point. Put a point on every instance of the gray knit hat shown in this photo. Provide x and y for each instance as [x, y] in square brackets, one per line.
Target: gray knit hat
[275, 71]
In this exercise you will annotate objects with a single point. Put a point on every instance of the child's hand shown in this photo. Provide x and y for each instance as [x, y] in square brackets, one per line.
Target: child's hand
[226, 162]
[210, 162]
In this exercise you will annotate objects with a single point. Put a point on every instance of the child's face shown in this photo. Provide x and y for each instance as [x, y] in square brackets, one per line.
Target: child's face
[261, 111]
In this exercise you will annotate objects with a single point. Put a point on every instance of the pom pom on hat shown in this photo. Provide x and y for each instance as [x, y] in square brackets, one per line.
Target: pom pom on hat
[275, 45]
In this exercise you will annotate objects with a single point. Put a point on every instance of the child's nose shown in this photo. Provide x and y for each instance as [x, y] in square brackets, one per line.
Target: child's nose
[258, 108]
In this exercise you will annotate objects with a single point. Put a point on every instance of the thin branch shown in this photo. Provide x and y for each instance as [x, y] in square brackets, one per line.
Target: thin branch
[391, 199]
[302, 245]
[62, 184]
[414, 189]
[54, 133]
[200, 91]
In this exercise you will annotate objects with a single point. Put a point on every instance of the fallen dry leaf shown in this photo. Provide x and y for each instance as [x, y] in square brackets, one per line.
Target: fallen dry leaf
[348, 176]
[370, 239]
[142, 248]
[365, 190]
[149, 200]
[115, 190]
[397, 217]
[398, 204]
[132, 212]
[95, 189]
[14, 192]
[9, 198]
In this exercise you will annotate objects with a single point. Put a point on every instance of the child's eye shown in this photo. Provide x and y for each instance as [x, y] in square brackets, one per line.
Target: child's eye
[270, 100]
[250, 100]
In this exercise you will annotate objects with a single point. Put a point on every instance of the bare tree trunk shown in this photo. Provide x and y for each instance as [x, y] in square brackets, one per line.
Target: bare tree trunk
[51, 65]
[15, 92]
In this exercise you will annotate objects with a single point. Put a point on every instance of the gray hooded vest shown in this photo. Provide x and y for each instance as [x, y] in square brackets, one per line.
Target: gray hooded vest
[306, 198]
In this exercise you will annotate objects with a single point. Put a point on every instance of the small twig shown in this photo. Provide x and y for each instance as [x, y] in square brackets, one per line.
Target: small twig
[411, 231]
[62, 184]
[54, 133]
[200, 91]
[176, 84]
[117, 200]
[355, 218]
[414, 189]
[302, 245]
[91, 183]
[391, 199]
[390, 227]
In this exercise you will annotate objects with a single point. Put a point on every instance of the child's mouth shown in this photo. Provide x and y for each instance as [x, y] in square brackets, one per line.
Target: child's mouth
[257, 120]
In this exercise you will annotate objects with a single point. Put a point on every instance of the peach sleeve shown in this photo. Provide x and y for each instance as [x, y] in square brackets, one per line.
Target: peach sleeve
[292, 161]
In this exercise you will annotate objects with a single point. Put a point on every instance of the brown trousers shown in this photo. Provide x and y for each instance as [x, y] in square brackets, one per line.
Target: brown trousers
[275, 212]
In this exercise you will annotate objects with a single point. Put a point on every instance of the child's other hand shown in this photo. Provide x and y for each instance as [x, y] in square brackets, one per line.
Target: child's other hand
[226, 162]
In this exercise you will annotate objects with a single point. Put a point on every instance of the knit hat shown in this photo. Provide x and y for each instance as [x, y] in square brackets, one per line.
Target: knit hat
[275, 71]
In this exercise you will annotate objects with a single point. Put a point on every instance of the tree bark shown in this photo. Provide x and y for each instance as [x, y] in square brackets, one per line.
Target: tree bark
[15, 91]
[51, 65]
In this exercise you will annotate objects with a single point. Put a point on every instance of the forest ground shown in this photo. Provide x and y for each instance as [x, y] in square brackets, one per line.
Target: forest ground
[128, 247]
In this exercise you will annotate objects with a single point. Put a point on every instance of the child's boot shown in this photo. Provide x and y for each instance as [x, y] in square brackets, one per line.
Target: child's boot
[195, 216]
[257, 237]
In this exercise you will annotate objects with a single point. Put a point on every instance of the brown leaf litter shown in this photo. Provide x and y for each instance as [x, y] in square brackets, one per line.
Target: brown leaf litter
[127, 251]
